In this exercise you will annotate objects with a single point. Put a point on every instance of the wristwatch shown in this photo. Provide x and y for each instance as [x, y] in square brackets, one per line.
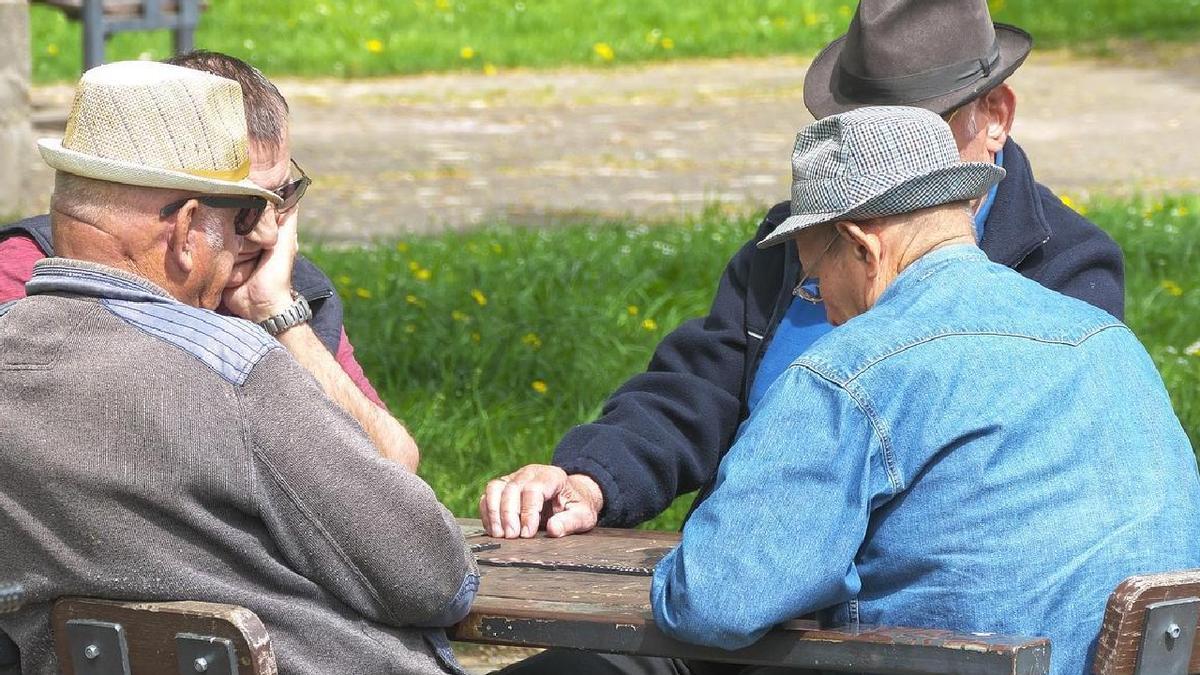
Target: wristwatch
[296, 313]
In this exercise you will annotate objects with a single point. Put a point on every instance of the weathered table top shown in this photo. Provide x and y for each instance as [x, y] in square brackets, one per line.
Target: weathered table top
[592, 592]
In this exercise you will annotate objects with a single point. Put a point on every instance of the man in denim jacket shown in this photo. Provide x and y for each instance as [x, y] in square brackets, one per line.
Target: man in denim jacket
[966, 450]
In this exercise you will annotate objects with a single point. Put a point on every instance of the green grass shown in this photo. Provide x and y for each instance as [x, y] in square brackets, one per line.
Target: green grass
[457, 331]
[345, 38]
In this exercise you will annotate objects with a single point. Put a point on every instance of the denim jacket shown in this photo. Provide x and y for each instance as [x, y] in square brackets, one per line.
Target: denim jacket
[975, 453]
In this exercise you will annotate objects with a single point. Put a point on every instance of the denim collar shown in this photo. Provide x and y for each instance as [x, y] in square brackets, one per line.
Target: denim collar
[929, 264]
[80, 277]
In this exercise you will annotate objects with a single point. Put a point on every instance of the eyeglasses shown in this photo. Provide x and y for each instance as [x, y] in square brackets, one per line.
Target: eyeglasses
[292, 191]
[809, 289]
[250, 209]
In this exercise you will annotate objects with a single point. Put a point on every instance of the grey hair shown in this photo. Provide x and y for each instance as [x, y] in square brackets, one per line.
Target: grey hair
[86, 198]
[266, 108]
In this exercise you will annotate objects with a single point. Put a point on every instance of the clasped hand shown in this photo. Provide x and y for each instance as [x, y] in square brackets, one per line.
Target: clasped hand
[517, 504]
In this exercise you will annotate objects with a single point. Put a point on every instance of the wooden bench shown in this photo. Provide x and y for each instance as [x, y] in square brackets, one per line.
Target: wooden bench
[1149, 625]
[103, 637]
[103, 18]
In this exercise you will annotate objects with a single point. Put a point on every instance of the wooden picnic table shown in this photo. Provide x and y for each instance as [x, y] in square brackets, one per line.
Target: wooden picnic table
[592, 591]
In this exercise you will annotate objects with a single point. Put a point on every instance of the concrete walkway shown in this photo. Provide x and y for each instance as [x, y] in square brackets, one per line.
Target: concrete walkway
[421, 154]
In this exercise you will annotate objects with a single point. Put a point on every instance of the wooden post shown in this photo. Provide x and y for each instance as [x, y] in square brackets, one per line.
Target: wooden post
[16, 134]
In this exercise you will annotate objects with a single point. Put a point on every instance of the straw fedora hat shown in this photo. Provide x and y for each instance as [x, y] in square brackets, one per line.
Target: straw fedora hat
[154, 125]
[935, 54]
[877, 161]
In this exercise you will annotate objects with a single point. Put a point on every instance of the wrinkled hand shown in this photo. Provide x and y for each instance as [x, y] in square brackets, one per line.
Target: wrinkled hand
[268, 291]
[514, 505]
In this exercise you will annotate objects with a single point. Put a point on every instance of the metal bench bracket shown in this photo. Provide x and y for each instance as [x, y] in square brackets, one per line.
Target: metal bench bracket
[1168, 637]
[97, 647]
[205, 654]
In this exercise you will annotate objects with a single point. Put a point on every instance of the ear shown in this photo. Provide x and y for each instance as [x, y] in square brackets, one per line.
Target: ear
[865, 246]
[1000, 107]
[181, 245]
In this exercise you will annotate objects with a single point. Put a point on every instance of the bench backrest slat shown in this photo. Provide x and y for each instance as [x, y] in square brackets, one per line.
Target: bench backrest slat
[1121, 635]
[151, 631]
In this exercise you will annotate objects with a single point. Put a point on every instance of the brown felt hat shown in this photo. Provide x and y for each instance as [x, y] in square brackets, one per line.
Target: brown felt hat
[933, 54]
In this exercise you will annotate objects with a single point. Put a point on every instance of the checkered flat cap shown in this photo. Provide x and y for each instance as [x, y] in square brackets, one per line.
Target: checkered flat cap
[877, 161]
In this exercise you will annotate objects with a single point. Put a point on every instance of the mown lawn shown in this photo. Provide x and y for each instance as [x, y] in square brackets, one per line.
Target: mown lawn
[352, 38]
[491, 344]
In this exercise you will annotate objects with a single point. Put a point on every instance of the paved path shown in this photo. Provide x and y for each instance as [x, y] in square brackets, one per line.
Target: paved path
[421, 154]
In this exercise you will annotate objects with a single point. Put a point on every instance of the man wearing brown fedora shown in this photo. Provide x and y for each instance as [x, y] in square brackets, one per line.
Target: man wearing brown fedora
[157, 450]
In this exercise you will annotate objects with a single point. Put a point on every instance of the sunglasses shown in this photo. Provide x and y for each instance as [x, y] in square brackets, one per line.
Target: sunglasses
[250, 209]
[291, 192]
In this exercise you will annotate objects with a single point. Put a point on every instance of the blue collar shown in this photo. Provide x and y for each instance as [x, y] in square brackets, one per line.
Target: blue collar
[930, 263]
[985, 207]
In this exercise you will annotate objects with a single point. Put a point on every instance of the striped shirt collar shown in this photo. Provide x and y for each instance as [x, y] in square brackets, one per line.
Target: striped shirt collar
[81, 277]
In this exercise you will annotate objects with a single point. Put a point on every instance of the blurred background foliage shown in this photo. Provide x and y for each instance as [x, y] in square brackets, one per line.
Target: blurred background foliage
[355, 38]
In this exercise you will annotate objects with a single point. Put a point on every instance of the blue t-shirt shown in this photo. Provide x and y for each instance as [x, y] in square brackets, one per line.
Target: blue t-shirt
[805, 322]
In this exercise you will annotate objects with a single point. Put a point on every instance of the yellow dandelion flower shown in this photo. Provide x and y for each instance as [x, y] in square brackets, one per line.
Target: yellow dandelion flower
[424, 275]
[811, 19]
[497, 248]
[344, 279]
[443, 4]
[413, 266]
[995, 6]
[476, 337]
[632, 309]
[490, 70]
[1069, 203]
[667, 43]
[1173, 289]
[604, 51]
[531, 340]
[466, 53]
[650, 324]
[1179, 211]
[459, 316]
[374, 46]
[362, 293]
[845, 11]
[402, 247]
[414, 300]
[480, 298]
[52, 49]
[539, 386]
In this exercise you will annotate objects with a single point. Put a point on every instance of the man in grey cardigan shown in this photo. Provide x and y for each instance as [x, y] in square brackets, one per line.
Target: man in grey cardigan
[155, 450]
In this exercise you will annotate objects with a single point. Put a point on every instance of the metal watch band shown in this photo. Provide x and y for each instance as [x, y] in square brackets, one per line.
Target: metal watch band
[296, 313]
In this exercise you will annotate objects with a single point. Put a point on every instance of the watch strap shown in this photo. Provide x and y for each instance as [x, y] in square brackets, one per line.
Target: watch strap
[295, 314]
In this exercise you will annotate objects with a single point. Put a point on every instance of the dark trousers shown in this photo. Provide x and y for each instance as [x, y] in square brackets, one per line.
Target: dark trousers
[573, 662]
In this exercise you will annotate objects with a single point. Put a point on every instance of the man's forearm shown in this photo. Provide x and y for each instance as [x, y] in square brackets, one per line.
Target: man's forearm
[386, 433]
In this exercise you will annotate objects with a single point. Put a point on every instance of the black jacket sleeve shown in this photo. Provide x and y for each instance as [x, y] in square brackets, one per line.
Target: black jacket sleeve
[661, 434]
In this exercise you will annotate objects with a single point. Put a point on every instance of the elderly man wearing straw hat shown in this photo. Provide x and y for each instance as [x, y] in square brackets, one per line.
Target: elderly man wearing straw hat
[156, 450]
[267, 266]
[968, 450]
